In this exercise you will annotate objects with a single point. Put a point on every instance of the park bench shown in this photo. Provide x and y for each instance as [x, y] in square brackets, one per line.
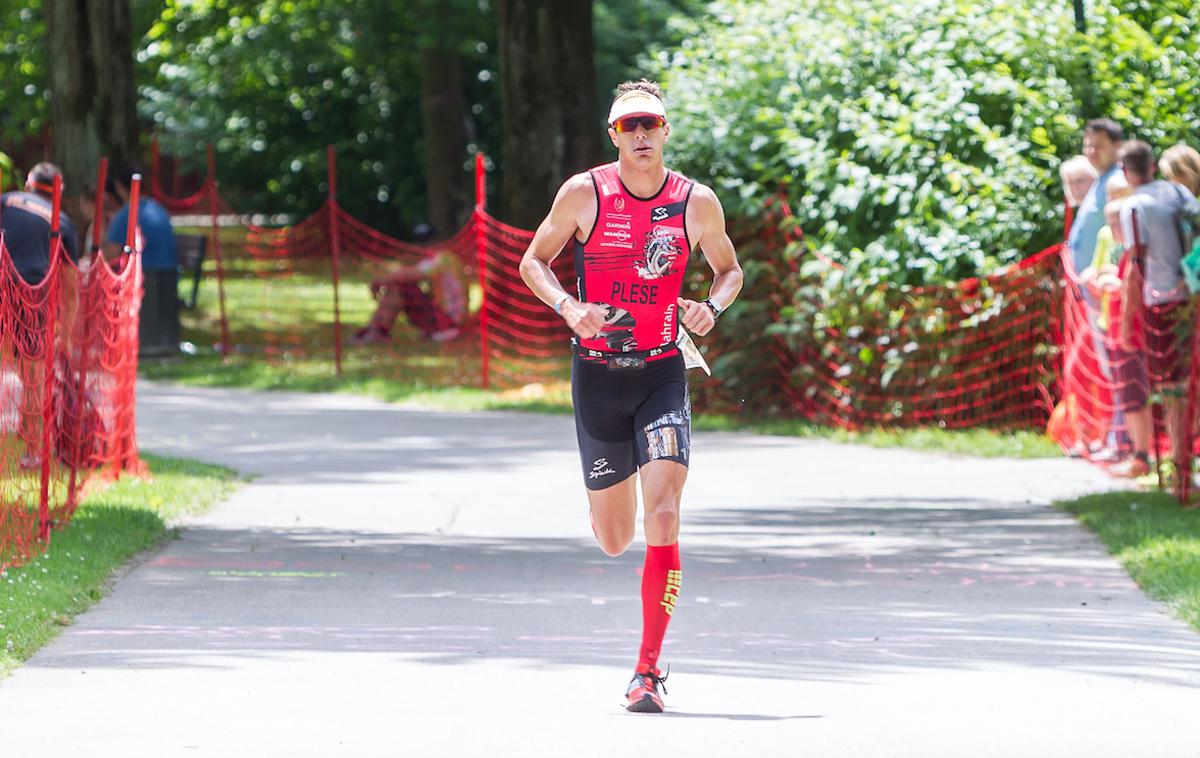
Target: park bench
[189, 252]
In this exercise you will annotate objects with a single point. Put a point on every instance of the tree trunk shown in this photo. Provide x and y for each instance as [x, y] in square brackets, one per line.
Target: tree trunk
[90, 71]
[548, 95]
[448, 184]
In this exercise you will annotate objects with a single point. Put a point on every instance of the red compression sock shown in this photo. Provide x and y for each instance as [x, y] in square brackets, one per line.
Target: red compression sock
[661, 579]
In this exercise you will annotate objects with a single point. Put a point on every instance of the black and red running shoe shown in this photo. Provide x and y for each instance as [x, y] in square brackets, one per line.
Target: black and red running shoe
[642, 695]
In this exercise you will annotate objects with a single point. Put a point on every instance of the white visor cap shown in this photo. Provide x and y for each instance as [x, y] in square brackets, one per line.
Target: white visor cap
[636, 103]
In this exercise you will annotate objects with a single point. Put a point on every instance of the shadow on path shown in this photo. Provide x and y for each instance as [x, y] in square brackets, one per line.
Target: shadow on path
[811, 599]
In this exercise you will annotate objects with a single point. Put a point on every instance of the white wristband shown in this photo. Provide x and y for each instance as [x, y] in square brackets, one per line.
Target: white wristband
[558, 304]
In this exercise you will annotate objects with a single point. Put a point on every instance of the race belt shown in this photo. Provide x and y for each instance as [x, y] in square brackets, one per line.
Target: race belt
[632, 360]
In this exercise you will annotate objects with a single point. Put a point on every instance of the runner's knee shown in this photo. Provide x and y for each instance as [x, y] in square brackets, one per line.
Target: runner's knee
[614, 537]
[614, 545]
[664, 518]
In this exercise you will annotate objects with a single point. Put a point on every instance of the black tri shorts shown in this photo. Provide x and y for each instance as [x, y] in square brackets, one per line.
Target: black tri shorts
[626, 418]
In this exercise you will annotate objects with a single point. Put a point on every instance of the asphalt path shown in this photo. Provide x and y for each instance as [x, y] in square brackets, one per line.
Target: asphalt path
[401, 582]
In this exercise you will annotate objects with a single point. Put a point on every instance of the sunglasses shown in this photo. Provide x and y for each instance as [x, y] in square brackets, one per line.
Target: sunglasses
[631, 124]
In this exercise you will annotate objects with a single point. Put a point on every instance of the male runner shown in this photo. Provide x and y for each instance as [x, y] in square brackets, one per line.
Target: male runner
[634, 223]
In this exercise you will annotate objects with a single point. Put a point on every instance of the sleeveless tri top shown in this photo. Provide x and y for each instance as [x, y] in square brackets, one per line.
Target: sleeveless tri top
[634, 261]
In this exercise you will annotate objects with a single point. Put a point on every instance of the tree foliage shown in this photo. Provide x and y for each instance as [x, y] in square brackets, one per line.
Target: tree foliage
[918, 143]
[917, 140]
[22, 71]
[271, 83]
[628, 34]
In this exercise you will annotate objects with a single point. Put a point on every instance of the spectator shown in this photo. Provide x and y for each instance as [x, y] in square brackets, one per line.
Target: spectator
[1106, 255]
[1181, 164]
[158, 321]
[432, 293]
[88, 220]
[1101, 141]
[25, 219]
[1154, 289]
[1078, 175]
[1130, 384]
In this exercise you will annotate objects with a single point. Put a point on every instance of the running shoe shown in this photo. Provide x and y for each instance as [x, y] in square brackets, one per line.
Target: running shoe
[642, 695]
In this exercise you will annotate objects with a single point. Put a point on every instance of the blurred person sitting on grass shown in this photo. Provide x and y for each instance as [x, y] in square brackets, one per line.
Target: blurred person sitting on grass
[432, 293]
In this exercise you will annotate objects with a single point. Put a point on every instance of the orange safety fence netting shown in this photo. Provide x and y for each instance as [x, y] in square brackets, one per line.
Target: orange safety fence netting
[977, 353]
[1129, 377]
[68, 366]
[1003, 351]
[981, 352]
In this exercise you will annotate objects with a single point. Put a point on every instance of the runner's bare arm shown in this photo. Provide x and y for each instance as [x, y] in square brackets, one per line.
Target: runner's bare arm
[576, 199]
[706, 227]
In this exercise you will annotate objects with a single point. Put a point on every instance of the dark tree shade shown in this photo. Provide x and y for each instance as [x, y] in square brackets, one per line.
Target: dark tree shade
[548, 92]
[90, 71]
[443, 115]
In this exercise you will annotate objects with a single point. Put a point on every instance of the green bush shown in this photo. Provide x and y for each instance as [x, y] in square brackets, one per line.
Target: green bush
[919, 140]
[918, 143]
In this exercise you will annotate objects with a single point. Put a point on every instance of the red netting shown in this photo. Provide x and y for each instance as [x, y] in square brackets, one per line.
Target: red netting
[523, 341]
[68, 366]
[411, 308]
[1129, 379]
[978, 353]
[1003, 351]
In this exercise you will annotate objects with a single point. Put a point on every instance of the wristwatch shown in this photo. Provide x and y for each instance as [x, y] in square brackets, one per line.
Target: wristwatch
[716, 308]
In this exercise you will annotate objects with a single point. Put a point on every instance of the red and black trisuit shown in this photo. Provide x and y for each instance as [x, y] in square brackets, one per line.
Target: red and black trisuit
[633, 261]
[628, 383]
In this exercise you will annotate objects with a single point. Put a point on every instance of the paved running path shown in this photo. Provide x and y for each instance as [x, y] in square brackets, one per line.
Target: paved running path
[410, 583]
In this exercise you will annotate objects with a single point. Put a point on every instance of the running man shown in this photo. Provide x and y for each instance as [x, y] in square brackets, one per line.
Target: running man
[634, 224]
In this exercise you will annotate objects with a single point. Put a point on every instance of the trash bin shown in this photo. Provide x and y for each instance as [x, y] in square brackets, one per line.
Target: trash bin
[158, 321]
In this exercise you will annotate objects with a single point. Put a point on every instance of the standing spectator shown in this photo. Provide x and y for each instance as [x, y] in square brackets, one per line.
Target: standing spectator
[1130, 382]
[1101, 141]
[1078, 175]
[25, 219]
[1154, 288]
[1181, 164]
[158, 321]
[1101, 282]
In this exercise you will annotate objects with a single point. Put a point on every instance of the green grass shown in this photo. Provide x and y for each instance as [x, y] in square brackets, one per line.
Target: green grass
[110, 527]
[1156, 540]
[983, 443]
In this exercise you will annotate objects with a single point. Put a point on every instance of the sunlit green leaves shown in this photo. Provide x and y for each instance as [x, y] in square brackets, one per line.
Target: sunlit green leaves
[919, 141]
[24, 108]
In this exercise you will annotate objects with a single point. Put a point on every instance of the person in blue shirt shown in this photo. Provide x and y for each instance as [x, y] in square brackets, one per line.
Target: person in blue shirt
[158, 323]
[1102, 139]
